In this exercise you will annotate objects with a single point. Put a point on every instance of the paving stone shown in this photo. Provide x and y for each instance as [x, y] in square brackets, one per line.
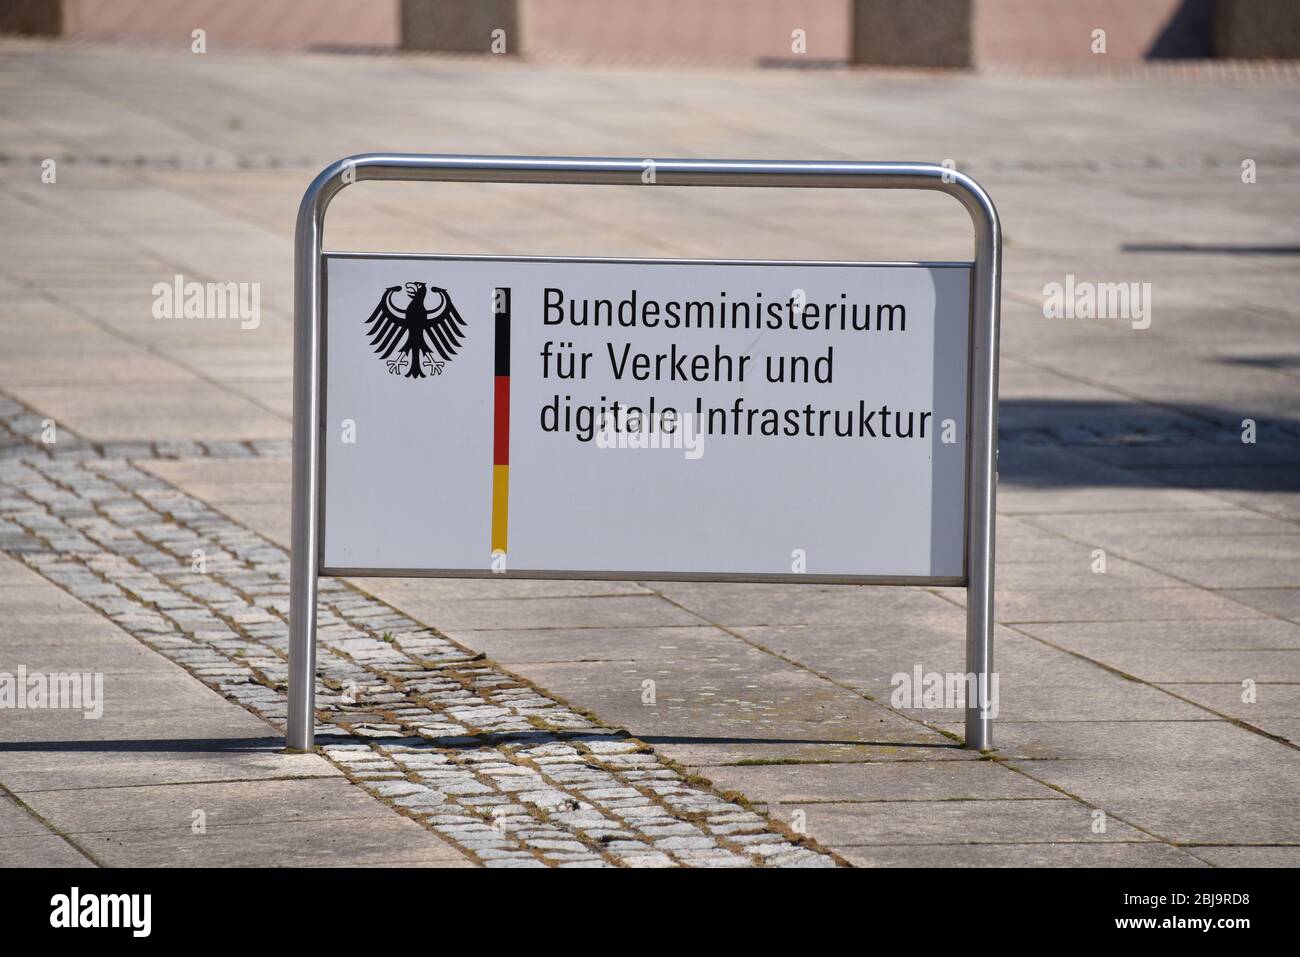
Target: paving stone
[231, 657]
[1155, 787]
[1247, 856]
[843, 825]
[1111, 437]
[41, 850]
[893, 781]
[1056, 854]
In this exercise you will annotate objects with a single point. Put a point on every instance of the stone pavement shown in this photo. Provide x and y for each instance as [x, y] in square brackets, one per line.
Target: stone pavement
[171, 774]
[1149, 711]
[507, 774]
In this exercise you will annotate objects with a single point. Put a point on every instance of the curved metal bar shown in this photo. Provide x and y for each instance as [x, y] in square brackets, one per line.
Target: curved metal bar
[981, 436]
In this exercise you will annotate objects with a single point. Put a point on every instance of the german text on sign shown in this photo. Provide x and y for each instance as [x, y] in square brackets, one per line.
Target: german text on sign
[645, 418]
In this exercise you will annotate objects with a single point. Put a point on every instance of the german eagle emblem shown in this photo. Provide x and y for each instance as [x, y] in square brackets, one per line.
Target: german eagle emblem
[426, 327]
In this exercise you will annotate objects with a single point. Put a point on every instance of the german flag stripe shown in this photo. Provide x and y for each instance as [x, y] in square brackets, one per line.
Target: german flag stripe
[501, 421]
[500, 506]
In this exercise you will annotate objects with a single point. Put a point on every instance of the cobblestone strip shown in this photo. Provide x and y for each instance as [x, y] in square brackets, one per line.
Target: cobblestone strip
[510, 775]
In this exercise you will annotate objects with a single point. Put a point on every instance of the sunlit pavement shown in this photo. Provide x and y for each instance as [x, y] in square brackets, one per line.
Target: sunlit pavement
[1148, 574]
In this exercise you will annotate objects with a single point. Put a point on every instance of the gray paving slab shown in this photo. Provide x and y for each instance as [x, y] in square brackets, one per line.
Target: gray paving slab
[1280, 504]
[136, 767]
[401, 591]
[602, 611]
[41, 850]
[1125, 529]
[1021, 855]
[1025, 498]
[1186, 657]
[1076, 573]
[795, 784]
[957, 822]
[1286, 728]
[53, 764]
[17, 821]
[1107, 641]
[1164, 667]
[137, 707]
[1260, 705]
[1238, 573]
[1144, 604]
[242, 823]
[1022, 544]
[41, 615]
[1078, 689]
[719, 714]
[1242, 856]
[866, 656]
[740, 605]
[1181, 780]
[215, 413]
[1283, 546]
[370, 842]
[1112, 437]
[35, 650]
[521, 647]
[1279, 602]
[416, 722]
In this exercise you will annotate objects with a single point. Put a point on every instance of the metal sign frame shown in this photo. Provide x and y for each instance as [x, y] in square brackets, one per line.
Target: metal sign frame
[306, 560]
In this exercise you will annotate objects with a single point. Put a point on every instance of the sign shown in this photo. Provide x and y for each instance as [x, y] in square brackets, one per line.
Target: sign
[644, 418]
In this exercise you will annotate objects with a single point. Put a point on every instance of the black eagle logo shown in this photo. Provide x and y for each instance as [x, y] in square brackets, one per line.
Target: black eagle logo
[415, 331]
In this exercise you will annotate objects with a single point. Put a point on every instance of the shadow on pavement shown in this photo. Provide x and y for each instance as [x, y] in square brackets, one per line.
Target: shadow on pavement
[276, 744]
[702, 739]
[1051, 442]
[195, 745]
[1214, 249]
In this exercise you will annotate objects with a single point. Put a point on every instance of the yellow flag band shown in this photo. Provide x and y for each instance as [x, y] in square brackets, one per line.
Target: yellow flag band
[500, 505]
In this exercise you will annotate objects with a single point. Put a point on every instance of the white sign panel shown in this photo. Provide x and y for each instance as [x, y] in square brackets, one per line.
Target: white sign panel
[642, 419]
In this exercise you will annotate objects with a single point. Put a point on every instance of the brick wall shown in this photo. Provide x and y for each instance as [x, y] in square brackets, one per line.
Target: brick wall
[230, 24]
[895, 32]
